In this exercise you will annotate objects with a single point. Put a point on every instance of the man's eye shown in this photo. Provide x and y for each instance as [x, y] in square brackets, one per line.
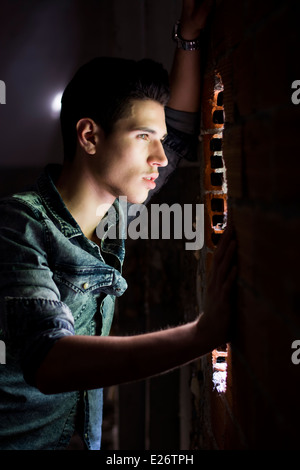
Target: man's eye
[143, 136]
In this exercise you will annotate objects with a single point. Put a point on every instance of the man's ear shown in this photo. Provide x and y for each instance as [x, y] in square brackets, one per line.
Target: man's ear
[88, 135]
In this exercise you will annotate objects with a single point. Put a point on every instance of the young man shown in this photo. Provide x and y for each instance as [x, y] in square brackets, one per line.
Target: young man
[59, 280]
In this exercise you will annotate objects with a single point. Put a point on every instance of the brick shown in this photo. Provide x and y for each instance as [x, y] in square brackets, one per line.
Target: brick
[243, 408]
[256, 340]
[257, 11]
[208, 100]
[285, 155]
[277, 259]
[264, 342]
[232, 152]
[219, 40]
[268, 256]
[224, 68]
[276, 63]
[245, 77]
[227, 27]
[257, 146]
[244, 224]
[224, 428]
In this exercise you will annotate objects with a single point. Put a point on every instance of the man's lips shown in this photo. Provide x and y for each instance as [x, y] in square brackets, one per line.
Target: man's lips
[150, 180]
[151, 176]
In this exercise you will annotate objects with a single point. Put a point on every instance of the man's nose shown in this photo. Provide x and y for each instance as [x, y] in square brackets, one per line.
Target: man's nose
[157, 155]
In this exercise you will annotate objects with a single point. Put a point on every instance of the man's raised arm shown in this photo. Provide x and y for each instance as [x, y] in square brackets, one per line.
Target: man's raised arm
[185, 77]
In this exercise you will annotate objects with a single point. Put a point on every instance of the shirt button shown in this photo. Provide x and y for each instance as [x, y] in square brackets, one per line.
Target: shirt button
[85, 285]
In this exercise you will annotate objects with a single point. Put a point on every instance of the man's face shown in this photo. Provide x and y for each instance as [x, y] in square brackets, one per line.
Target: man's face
[128, 159]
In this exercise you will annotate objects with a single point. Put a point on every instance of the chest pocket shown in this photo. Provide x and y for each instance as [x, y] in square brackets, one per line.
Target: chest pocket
[80, 287]
[90, 279]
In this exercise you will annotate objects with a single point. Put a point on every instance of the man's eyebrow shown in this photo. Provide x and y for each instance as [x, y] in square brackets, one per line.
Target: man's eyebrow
[148, 129]
[145, 129]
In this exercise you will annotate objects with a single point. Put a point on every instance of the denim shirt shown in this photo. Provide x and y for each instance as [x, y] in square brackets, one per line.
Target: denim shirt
[54, 282]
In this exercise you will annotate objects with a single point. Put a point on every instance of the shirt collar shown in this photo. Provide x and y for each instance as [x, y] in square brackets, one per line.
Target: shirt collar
[64, 219]
[54, 202]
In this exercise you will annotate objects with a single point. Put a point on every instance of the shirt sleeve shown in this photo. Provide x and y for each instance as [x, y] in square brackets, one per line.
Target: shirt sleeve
[32, 316]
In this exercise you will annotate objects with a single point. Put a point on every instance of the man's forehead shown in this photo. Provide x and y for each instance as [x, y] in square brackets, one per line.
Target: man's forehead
[147, 115]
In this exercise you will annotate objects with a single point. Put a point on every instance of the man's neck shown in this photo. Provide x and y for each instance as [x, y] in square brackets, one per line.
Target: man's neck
[85, 200]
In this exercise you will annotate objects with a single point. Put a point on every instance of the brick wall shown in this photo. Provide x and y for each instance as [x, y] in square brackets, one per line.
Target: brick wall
[253, 48]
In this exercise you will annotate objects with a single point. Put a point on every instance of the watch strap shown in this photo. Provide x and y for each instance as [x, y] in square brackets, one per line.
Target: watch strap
[186, 45]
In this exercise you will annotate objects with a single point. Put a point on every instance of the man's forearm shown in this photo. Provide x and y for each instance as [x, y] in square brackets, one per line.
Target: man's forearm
[85, 362]
[185, 81]
[88, 362]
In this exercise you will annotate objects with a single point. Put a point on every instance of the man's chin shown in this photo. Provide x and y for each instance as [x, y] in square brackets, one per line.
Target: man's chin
[137, 199]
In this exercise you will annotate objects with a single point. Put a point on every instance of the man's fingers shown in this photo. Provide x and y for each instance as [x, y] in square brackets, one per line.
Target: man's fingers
[188, 7]
[227, 236]
[196, 9]
[225, 257]
[230, 281]
[228, 259]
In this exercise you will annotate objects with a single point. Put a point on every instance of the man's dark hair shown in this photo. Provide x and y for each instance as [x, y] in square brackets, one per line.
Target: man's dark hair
[103, 90]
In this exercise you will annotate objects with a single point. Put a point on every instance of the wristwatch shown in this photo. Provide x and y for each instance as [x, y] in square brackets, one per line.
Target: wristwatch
[192, 45]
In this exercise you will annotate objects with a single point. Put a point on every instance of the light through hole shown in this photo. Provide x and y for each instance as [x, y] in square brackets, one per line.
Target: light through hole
[218, 213]
[219, 362]
[56, 103]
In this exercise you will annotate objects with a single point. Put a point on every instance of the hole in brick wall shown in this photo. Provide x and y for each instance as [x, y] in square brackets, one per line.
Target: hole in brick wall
[216, 161]
[220, 98]
[219, 362]
[217, 204]
[216, 179]
[218, 117]
[218, 222]
[220, 359]
[216, 144]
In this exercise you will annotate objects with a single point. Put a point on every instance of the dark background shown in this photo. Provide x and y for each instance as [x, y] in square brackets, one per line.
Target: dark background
[42, 45]
[253, 45]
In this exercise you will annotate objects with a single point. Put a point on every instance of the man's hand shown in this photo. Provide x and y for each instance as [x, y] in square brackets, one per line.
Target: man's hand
[194, 17]
[217, 318]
